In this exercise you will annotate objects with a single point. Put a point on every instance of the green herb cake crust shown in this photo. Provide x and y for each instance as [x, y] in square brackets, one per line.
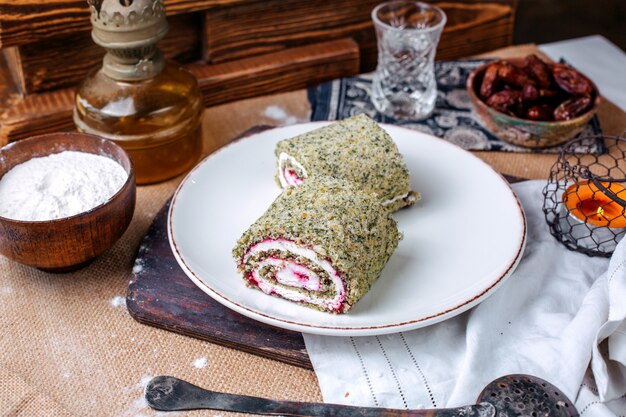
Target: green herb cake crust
[356, 149]
[322, 244]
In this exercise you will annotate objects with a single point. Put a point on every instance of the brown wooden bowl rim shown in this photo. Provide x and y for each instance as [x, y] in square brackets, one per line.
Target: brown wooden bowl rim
[130, 180]
[477, 100]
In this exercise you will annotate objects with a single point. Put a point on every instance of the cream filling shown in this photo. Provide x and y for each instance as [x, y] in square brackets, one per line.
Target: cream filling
[293, 274]
[396, 198]
[289, 273]
[286, 176]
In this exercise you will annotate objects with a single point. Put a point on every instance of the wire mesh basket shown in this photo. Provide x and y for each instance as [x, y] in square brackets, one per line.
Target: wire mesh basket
[585, 197]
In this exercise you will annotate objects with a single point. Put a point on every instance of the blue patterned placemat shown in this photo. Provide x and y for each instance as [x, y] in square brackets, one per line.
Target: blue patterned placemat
[452, 118]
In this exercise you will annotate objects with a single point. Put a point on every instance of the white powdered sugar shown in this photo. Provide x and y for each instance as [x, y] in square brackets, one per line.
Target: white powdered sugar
[59, 185]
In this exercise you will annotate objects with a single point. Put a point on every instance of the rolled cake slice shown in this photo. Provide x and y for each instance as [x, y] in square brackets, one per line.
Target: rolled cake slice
[322, 244]
[355, 149]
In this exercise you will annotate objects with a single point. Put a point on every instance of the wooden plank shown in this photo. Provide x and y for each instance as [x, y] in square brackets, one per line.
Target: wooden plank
[287, 70]
[254, 28]
[27, 21]
[475, 28]
[9, 92]
[13, 63]
[470, 28]
[38, 61]
[37, 114]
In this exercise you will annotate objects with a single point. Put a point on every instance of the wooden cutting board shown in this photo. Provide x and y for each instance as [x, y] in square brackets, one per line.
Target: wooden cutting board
[161, 295]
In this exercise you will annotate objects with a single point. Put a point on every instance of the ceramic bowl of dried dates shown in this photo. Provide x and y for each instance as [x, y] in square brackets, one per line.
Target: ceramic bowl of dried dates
[532, 103]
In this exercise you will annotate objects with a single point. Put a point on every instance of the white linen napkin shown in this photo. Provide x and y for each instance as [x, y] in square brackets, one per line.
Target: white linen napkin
[556, 313]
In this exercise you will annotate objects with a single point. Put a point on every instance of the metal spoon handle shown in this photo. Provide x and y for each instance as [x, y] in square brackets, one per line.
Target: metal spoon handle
[166, 393]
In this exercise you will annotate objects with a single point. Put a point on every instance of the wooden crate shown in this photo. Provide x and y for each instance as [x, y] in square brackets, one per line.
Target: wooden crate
[35, 72]
[253, 28]
[27, 21]
[286, 70]
[235, 32]
[250, 48]
[473, 29]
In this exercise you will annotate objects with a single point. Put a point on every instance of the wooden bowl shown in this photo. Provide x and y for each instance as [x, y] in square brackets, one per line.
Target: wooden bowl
[524, 132]
[72, 242]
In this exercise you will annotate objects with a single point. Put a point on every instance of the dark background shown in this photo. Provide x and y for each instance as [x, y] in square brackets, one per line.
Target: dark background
[542, 21]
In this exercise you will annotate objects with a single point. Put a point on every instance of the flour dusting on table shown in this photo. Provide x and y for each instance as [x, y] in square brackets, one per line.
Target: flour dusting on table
[138, 266]
[279, 114]
[59, 185]
[139, 405]
[118, 301]
[200, 363]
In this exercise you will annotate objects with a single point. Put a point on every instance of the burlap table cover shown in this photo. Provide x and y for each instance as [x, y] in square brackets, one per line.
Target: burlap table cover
[68, 348]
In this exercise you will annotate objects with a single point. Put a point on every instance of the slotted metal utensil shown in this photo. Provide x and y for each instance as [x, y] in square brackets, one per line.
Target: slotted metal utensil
[508, 396]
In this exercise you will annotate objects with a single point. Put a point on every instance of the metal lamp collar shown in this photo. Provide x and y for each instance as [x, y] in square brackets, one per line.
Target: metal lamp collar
[129, 30]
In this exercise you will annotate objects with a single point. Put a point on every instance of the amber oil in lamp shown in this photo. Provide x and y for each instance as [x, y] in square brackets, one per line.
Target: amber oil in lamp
[150, 107]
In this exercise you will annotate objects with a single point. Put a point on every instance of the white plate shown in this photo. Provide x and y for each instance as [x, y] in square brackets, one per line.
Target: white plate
[461, 241]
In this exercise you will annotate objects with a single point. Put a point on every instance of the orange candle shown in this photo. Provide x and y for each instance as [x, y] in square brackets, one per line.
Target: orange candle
[589, 204]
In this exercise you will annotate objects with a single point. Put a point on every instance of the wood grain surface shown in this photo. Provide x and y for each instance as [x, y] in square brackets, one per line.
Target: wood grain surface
[27, 21]
[257, 47]
[36, 114]
[255, 28]
[475, 28]
[252, 28]
[286, 70]
[38, 66]
[281, 71]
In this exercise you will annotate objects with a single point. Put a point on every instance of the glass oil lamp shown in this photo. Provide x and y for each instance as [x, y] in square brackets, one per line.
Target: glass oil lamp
[152, 108]
[585, 197]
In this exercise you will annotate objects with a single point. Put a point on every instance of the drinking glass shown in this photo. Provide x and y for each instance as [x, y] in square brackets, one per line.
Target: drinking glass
[404, 85]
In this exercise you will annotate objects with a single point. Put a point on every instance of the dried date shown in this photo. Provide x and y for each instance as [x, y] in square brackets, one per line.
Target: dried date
[529, 93]
[571, 81]
[539, 112]
[533, 90]
[572, 108]
[548, 94]
[510, 74]
[538, 70]
[505, 100]
[488, 85]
